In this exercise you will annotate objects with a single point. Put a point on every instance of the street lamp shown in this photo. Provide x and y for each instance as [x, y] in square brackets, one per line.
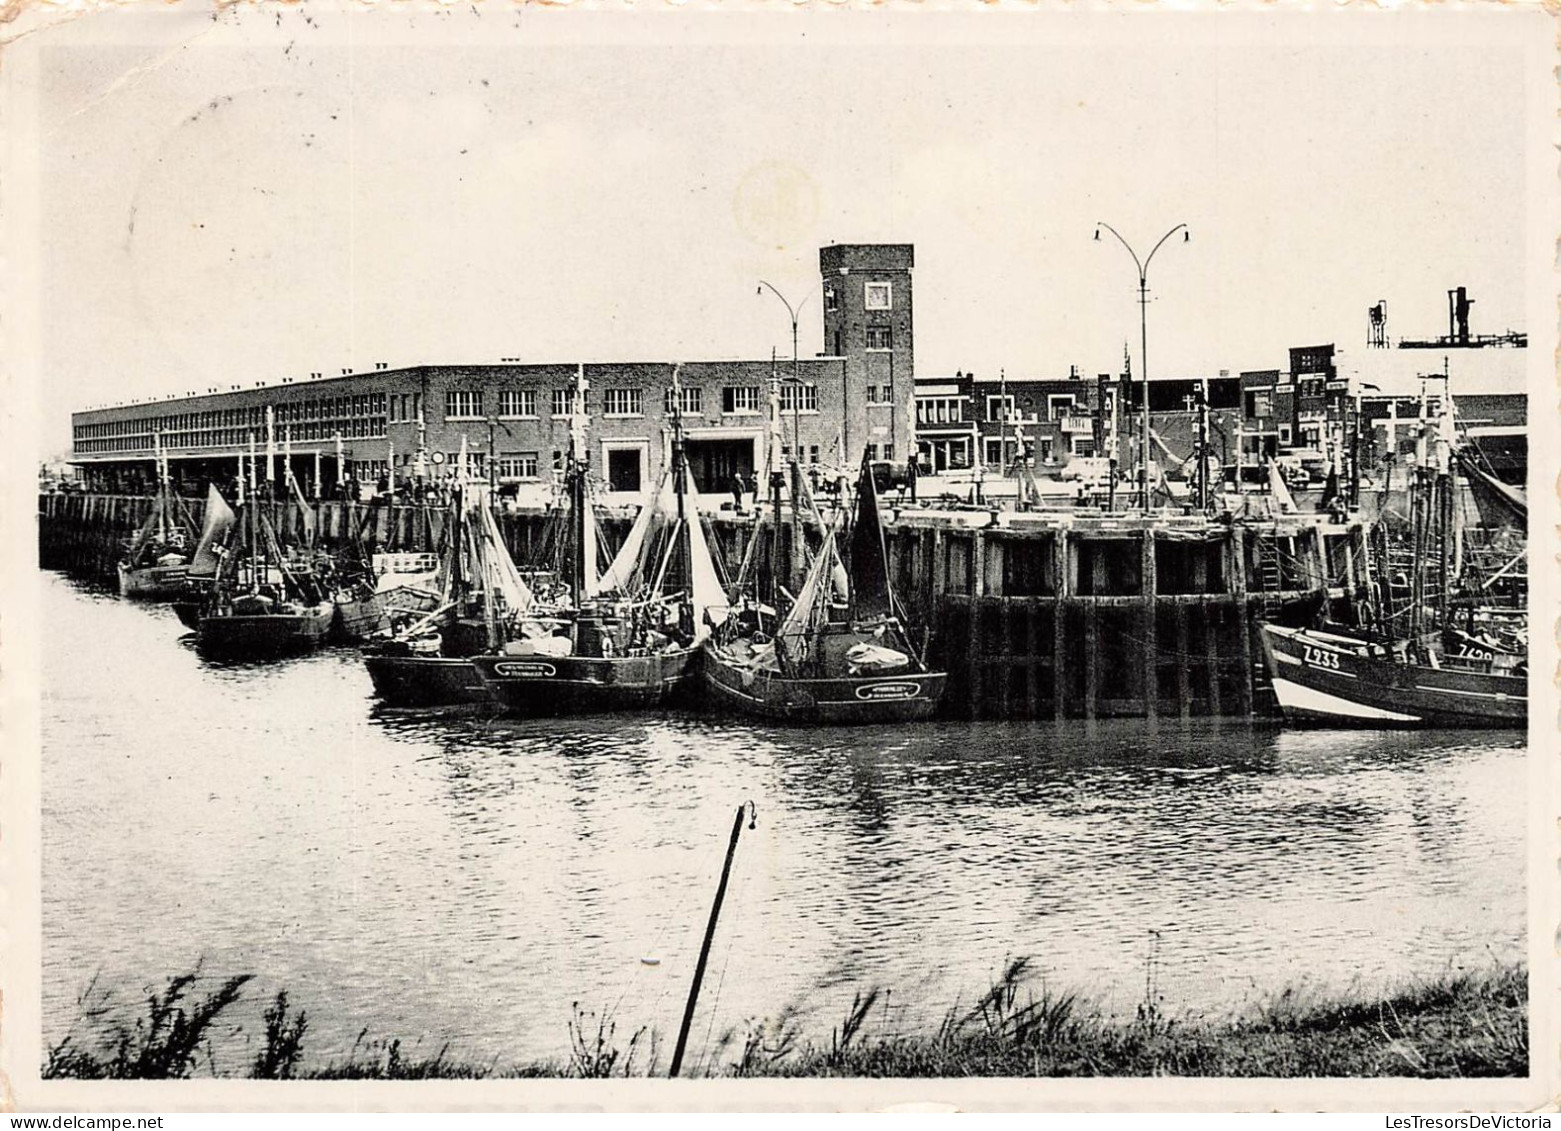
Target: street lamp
[794, 312]
[1143, 330]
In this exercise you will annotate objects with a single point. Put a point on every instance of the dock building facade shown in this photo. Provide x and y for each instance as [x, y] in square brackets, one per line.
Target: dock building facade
[402, 423]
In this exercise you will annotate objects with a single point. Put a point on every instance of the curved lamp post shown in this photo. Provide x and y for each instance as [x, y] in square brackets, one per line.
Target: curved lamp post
[1143, 331]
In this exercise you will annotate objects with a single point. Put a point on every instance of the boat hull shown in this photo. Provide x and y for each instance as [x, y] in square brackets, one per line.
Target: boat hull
[845, 701]
[536, 686]
[265, 635]
[425, 681]
[359, 618]
[152, 583]
[1326, 680]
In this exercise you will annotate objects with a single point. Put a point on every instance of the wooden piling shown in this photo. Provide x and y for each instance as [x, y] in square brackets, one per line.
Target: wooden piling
[1150, 634]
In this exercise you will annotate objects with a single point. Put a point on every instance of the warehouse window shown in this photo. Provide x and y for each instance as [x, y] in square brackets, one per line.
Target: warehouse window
[562, 402]
[463, 404]
[623, 402]
[799, 398]
[518, 402]
[517, 465]
[739, 399]
[692, 401]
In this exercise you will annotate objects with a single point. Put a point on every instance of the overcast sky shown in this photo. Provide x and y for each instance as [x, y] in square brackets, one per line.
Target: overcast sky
[278, 192]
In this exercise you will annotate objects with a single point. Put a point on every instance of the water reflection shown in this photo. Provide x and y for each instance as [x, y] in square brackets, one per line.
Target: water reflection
[470, 878]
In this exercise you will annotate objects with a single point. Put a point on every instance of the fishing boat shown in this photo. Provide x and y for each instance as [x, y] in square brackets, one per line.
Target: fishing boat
[426, 660]
[841, 654]
[261, 604]
[1329, 678]
[216, 527]
[1408, 664]
[158, 557]
[629, 639]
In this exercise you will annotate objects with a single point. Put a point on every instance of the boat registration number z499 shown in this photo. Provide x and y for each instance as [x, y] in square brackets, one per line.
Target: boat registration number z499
[882, 691]
[1320, 657]
[528, 669]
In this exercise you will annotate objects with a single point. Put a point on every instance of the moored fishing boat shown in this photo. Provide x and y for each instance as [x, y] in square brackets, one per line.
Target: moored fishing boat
[216, 526]
[629, 639]
[1407, 664]
[841, 655]
[158, 557]
[426, 661]
[1322, 677]
[261, 605]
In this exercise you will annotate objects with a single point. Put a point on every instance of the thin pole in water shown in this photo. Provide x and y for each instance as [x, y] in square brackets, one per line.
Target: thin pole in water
[704, 948]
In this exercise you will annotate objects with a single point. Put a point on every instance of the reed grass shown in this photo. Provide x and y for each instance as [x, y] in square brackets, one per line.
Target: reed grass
[1467, 1024]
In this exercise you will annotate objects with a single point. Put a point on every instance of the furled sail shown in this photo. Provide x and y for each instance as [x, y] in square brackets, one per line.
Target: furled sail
[624, 574]
[517, 595]
[705, 593]
[798, 632]
[869, 559]
[218, 521]
[1494, 498]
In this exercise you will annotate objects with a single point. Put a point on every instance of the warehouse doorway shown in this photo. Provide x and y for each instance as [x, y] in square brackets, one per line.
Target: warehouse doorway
[624, 470]
[713, 463]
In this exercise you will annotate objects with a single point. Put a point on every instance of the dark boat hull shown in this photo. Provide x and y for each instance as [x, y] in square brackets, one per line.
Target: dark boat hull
[845, 701]
[1328, 680]
[152, 583]
[425, 681]
[538, 686]
[359, 618]
[264, 635]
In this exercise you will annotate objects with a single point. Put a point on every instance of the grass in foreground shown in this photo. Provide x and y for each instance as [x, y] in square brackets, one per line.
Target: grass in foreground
[1459, 1025]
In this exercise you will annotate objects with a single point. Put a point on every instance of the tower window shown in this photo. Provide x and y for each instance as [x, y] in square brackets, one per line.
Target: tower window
[879, 296]
[879, 338]
[831, 298]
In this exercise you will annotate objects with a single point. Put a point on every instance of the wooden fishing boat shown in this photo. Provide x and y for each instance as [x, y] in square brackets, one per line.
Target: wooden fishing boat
[629, 638]
[358, 615]
[158, 557]
[216, 530]
[429, 666]
[426, 660]
[1407, 664]
[258, 626]
[841, 655]
[261, 605]
[1326, 678]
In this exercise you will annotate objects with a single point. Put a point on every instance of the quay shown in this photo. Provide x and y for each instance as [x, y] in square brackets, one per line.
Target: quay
[1035, 615]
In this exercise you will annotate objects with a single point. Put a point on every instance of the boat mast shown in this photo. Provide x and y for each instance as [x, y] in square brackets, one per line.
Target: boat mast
[683, 547]
[1444, 485]
[162, 486]
[578, 464]
[772, 457]
[254, 489]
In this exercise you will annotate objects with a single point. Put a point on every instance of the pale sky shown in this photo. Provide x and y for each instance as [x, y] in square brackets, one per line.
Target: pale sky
[284, 191]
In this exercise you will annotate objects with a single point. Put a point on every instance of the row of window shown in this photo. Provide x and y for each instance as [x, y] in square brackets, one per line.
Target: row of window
[356, 417]
[467, 404]
[940, 410]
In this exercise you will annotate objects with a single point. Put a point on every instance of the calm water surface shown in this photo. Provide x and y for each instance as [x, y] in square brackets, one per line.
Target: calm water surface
[468, 880]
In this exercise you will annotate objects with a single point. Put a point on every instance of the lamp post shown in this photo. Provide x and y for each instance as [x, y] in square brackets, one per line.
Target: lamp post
[1143, 331]
[796, 424]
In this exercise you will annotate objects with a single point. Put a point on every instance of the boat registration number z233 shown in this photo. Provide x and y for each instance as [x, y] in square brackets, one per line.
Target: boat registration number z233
[881, 691]
[1320, 657]
[525, 669]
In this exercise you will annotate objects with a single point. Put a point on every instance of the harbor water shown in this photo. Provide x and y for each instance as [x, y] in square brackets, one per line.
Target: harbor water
[472, 882]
